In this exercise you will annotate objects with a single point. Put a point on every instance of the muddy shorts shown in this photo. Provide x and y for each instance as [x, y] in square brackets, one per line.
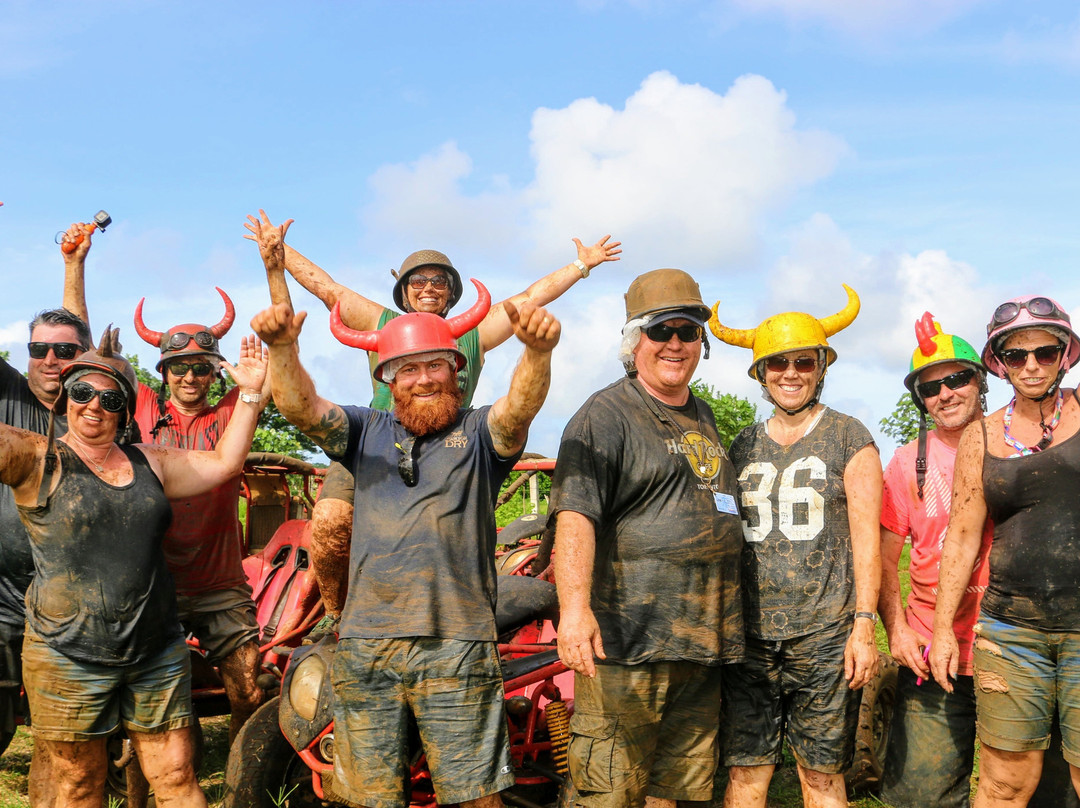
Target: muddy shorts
[81, 701]
[12, 704]
[454, 691]
[791, 690]
[339, 483]
[1022, 676]
[221, 621]
[644, 730]
[931, 749]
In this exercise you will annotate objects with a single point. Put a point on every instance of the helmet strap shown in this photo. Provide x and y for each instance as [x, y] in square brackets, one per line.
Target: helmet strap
[920, 458]
[164, 417]
[817, 390]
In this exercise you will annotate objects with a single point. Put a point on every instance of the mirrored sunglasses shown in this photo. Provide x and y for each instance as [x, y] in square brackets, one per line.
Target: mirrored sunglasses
[83, 393]
[779, 364]
[953, 381]
[663, 332]
[200, 369]
[62, 350]
[1016, 358]
[406, 462]
[418, 282]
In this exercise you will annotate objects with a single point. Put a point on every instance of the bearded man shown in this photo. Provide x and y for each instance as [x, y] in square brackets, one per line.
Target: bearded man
[421, 601]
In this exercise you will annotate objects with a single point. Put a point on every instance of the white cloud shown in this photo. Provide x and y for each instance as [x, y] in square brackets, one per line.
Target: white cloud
[690, 173]
[863, 17]
[1054, 44]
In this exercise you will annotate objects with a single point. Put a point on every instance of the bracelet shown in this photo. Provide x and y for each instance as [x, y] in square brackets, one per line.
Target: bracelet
[251, 398]
[581, 267]
[868, 615]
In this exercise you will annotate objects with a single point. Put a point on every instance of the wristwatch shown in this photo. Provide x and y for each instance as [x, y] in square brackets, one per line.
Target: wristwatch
[250, 398]
[581, 267]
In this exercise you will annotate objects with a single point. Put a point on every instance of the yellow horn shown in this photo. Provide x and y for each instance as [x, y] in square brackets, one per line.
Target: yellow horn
[742, 338]
[843, 318]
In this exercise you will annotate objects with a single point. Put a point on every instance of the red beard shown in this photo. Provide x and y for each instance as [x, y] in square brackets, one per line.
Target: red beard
[428, 415]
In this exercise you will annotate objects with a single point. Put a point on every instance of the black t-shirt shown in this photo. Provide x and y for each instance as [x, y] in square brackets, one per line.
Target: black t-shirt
[798, 569]
[18, 408]
[660, 491]
[422, 562]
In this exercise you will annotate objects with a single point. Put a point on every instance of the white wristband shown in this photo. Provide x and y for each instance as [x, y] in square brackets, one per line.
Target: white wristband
[581, 267]
[251, 398]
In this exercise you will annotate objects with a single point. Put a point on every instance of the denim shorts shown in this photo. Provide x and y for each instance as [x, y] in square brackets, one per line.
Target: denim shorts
[645, 730]
[80, 701]
[1022, 676]
[454, 691]
[795, 690]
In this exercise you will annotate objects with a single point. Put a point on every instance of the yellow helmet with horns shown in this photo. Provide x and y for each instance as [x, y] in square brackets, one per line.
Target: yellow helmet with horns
[790, 331]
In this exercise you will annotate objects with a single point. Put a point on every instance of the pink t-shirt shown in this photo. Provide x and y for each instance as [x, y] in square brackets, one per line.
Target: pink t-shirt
[926, 522]
[202, 545]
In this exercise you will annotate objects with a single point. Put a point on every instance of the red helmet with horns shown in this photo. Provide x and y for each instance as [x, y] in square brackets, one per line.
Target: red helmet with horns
[187, 339]
[414, 333]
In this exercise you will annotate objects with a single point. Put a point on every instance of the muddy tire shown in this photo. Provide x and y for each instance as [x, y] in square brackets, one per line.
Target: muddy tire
[875, 720]
[263, 770]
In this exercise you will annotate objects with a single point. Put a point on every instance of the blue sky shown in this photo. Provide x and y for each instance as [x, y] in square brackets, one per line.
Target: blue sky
[924, 152]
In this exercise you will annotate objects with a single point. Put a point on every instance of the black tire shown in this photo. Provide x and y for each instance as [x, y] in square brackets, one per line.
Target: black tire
[875, 720]
[263, 770]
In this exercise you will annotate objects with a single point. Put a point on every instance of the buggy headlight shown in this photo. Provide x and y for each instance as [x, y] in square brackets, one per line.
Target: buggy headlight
[306, 685]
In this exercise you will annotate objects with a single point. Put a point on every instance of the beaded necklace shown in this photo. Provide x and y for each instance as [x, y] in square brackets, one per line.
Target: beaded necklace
[1048, 429]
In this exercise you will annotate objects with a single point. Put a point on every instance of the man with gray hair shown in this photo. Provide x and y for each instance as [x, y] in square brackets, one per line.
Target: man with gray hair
[647, 547]
[57, 336]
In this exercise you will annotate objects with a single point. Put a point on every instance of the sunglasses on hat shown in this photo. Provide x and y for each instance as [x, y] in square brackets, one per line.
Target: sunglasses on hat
[1042, 307]
[1016, 358]
[953, 381]
[62, 350]
[83, 393]
[204, 339]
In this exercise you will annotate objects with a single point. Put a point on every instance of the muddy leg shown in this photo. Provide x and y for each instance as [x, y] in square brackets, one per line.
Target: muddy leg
[331, 534]
[748, 786]
[1007, 778]
[239, 671]
[78, 770]
[168, 760]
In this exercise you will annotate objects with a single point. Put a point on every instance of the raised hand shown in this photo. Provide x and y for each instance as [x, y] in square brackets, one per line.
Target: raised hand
[599, 252]
[534, 326]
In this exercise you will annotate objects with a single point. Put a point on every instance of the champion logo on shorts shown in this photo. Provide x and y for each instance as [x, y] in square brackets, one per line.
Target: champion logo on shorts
[505, 770]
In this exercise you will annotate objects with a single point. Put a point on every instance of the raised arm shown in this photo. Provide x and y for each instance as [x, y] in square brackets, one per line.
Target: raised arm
[496, 327]
[275, 262]
[186, 473]
[961, 548]
[75, 269]
[512, 414]
[356, 310]
[20, 461]
[575, 553]
[862, 481]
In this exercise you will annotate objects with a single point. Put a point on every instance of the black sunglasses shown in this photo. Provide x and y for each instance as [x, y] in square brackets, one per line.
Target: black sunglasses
[1016, 358]
[779, 364]
[418, 282]
[406, 465]
[204, 339]
[63, 350]
[954, 382]
[111, 400]
[663, 332]
[200, 369]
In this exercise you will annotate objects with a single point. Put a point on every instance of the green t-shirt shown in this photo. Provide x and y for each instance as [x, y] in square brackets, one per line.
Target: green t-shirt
[468, 343]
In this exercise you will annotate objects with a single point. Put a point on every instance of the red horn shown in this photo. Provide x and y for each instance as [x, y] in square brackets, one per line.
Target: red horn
[366, 340]
[925, 330]
[151, 337]
[222, 328]
[471, 318]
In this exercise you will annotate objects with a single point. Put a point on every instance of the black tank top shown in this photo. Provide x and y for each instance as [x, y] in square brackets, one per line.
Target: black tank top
[102, 593]
[1034, 502]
